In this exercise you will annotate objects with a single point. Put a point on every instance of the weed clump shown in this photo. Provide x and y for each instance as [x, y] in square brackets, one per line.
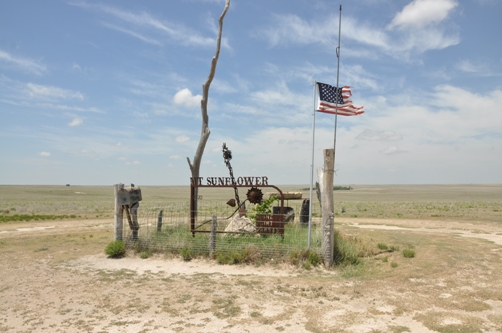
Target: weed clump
[346, 251]
[145, 254]
[246, 255]
[186, 254]
[305, 258]
[382, 246]
[407, 253]
[115, 249]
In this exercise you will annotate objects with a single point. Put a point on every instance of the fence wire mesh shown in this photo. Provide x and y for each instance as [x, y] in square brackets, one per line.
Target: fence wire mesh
[167, 228]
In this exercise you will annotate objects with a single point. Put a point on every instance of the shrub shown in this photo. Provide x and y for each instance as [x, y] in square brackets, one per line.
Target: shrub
[407, 253]
[382, 246]
[393, 264]
[346, 252]
[145, 254]
[186, 254]
[115, 249]
[314, 258]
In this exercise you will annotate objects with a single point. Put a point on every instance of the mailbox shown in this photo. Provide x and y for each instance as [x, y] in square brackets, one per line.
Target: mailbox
[129, 195]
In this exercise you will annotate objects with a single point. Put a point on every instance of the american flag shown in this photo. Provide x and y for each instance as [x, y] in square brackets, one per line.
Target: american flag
[337, 100]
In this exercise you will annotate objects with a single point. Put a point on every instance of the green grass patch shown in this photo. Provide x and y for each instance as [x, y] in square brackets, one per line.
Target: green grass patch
[36, 217]
[115, 249]
[408, 253]
[382, 246]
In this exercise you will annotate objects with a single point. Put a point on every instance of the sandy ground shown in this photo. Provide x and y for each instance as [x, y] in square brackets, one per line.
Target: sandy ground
[55, 278]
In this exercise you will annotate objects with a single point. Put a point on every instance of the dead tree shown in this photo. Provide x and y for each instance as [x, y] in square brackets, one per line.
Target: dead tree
[204, 136]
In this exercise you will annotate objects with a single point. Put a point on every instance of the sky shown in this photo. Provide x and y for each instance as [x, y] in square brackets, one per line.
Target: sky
[106, 92]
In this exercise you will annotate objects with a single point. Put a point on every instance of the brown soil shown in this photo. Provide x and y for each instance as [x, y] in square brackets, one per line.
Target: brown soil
[55, 278]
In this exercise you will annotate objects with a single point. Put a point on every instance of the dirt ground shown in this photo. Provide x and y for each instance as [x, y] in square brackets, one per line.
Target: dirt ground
[55, 278]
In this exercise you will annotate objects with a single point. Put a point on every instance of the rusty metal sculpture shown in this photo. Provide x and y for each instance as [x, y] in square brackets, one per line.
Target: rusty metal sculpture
[255, 195]
[227, 156]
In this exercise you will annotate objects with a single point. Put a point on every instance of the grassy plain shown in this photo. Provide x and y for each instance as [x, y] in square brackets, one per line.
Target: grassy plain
[367, 201]
[55, 276]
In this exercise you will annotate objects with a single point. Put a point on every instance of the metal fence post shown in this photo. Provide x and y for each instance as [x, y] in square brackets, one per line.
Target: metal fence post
[212, 238]
[159, 221]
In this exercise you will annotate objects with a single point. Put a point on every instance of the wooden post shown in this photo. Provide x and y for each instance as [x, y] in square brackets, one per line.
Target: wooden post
[328, 221]
[159, 221]
[119, 213]
[212, 238]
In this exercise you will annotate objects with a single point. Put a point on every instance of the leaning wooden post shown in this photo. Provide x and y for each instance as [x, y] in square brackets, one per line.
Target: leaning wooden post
[212, 238]
[328, 221]
[119, 213]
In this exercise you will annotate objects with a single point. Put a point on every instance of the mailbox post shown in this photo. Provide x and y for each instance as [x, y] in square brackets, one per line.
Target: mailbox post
[127, 199]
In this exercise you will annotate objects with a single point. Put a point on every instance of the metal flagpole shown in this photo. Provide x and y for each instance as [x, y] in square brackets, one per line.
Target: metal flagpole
[312, 167]
[332, 235]
[337, 77]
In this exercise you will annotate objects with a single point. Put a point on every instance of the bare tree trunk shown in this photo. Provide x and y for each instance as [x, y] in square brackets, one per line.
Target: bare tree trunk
[205, 132]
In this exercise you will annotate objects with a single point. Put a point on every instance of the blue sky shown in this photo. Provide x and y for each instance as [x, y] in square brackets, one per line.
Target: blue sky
[102, 92]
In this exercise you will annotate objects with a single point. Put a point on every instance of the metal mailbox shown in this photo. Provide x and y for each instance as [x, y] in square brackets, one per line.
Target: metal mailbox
[129, 195]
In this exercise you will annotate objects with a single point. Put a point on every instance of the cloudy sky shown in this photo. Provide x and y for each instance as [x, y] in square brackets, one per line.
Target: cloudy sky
[102, 92]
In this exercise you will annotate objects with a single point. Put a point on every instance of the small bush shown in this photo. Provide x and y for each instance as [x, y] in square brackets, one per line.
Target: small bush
[407, 253]
[115, 249]
[314, 258]
[346, 252]
[393, 264]
[186, 254]
[382, 246]
[304, 258]
[145, 254]
[229, 258]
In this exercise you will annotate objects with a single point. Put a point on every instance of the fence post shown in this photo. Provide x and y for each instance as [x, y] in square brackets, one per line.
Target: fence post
[159, 221]
[119, 213]
[212, 238]
[328, 221]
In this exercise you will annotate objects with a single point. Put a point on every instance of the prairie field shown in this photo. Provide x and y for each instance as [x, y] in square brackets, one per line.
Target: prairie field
[430, 261]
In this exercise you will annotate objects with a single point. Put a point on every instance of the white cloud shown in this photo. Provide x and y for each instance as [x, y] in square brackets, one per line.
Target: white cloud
[151, 25]
[44, 154]
[22, 63]
[133, 163]
[371, 135]
[182, 138]
[132, 33]
[421, 13]
[175, 157]
[76, 122]
[50, 92]
[184, 97]
[391, 150]
[399, 43]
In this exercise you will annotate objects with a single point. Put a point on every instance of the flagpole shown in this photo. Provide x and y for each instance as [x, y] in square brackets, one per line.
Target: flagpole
[332, 235]
[312, 166]
[337, 77]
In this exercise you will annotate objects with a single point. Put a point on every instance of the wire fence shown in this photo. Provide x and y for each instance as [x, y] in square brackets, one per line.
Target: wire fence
[167, 228]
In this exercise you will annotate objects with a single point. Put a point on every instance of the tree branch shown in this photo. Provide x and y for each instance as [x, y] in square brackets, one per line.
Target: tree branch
[205, 132]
